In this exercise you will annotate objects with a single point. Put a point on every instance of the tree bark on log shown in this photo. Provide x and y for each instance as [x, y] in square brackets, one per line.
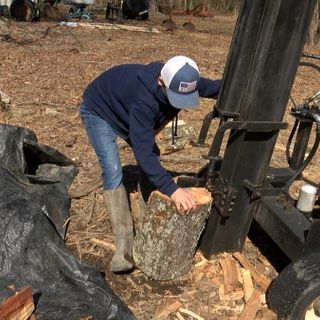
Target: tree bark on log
[165, 240]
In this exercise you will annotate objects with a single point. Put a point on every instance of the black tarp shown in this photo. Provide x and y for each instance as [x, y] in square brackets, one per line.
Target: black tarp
[34, 205]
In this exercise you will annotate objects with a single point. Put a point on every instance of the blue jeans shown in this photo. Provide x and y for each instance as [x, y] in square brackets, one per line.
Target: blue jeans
[103, 139]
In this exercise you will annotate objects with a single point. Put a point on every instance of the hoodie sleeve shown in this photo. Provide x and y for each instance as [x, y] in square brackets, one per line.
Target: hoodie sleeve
[209, 88]
[143, 116]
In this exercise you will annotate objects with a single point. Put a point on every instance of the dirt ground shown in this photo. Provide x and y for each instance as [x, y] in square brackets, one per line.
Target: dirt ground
[44, 69]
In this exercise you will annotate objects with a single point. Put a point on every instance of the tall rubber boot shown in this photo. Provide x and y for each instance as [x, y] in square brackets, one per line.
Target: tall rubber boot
[122, 226]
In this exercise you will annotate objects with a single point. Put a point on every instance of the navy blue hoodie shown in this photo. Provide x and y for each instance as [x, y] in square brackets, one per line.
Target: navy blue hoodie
[129, 99]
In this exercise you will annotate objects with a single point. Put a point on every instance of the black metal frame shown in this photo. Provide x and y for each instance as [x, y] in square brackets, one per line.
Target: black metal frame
[261, 67]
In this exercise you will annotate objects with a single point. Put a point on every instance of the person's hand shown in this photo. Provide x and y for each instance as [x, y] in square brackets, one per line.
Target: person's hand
[184, 201]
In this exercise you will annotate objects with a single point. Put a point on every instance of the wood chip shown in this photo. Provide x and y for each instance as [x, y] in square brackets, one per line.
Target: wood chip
[260, 279]
[251, 307]
[190, 313]
[165, 310]
[66, 222]
[191, 292]
[148, 287]
[132, 283]
[4, 97]
[215, 281]
[199, 264]
[103, 244]
[265, 261]
[198, 276]
[135, 207]
[203, 261]
[179, 316]
[236, 295]
[221, 292]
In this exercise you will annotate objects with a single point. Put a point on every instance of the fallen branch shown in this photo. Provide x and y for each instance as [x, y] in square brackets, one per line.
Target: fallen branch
[174, 158]
[105, 26]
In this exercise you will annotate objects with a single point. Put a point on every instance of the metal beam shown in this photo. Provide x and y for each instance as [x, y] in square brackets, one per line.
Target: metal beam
[264, 56]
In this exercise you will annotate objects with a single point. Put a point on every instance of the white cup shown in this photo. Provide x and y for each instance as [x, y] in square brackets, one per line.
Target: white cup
[307, 198]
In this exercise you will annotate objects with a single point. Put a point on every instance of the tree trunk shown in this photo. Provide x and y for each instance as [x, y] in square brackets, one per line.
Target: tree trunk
[166, 240]
[314, 32]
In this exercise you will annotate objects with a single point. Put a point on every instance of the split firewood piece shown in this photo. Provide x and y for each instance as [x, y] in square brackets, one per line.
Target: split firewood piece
[135, 208]
[138, 208]
[252, 306]
[248, 287]
[165, 244]
[20, 306]
[261, 280]
[190, 313]
[230, 274]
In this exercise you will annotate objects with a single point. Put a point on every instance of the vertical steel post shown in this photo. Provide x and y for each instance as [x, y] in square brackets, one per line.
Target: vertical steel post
[263, 59]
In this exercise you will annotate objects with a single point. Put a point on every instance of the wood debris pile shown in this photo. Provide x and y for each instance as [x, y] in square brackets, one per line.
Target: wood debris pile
[228, 287]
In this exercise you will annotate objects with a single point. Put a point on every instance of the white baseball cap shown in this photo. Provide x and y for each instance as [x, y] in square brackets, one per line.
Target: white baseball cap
[180, 75]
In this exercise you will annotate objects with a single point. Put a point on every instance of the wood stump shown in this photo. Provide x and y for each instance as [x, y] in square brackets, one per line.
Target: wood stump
[165, 240]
